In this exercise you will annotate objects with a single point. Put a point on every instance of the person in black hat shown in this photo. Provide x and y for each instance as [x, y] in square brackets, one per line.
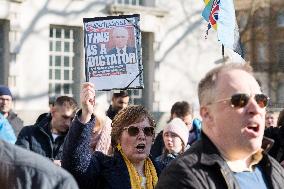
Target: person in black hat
[6, 100]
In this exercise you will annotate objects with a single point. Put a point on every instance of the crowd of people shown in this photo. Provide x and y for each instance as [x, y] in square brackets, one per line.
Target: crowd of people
[234, 144]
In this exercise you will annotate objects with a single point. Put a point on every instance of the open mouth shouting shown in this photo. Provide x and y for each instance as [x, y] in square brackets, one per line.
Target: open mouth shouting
[253, 129]
[141, 147]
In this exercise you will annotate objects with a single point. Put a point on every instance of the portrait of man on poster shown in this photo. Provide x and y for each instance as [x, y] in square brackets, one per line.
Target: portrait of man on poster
[121, 48]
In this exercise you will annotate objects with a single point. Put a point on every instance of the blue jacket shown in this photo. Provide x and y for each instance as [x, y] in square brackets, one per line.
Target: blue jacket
[93, 169]
[166, 158]
[6, 131]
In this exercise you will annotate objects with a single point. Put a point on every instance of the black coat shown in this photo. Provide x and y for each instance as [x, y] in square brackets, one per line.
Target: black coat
[203, 167]
[93, 170]
[277, 134]
[158, 146]
[111, 112]
[20, 168]
[128, 50]
[38, 138]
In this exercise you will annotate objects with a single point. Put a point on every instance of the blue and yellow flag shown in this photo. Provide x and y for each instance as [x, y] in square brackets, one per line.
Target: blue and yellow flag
[220, 15]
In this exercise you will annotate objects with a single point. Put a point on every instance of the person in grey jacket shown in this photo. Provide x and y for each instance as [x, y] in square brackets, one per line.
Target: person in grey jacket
[229, 153]
[6, 101]
[22, 169]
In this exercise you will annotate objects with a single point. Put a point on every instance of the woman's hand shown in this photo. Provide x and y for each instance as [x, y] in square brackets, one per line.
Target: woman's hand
[87, 102]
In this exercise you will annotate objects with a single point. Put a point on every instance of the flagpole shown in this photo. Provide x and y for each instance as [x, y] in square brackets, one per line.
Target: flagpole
[223, 53]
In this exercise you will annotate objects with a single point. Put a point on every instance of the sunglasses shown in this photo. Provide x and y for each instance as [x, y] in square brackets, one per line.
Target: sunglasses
[134, 131]
[241, 100]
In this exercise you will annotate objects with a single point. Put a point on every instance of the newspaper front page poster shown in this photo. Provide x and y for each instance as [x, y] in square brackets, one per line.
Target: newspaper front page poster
[113, 57]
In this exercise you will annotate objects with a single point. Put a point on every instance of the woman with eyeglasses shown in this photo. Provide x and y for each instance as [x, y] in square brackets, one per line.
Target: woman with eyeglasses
[131, 136]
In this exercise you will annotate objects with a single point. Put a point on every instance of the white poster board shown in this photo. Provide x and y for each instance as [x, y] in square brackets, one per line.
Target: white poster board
[113, 57]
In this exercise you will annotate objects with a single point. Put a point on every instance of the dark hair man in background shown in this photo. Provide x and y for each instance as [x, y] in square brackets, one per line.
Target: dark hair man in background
[47, 136]
[118, 102]
[181, 110]
[6, 102]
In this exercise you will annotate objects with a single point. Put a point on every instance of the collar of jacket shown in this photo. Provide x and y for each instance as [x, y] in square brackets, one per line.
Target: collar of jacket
[210, 155]
[44, 125]
[267, 144]
[12, 115]
[170, 155]
[111, 112]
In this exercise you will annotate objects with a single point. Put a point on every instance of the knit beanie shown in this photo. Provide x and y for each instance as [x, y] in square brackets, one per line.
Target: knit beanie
[178, 127]
[5, 91]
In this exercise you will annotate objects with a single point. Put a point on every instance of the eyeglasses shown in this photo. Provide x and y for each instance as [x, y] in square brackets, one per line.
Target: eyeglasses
[133, 130]
[240, 100]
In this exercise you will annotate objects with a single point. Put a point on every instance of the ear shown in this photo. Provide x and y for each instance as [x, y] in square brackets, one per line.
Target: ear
[205, 113]
[52, 110]
[112, 98]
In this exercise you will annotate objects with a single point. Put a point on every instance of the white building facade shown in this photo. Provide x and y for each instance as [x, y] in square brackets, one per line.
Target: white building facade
[42, 55]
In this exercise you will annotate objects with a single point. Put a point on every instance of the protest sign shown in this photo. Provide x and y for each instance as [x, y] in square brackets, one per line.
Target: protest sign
[113, 57]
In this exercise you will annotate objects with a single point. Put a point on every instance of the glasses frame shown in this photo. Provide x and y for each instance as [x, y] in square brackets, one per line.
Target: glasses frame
[143, 129]
[247, 95]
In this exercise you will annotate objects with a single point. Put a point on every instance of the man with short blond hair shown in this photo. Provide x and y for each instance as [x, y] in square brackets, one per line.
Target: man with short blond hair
[229, 154]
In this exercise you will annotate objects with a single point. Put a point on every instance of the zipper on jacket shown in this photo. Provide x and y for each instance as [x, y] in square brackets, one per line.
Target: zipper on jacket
[50, 141]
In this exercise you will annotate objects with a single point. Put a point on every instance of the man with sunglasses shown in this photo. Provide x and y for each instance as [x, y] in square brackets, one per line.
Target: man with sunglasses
[229, 154]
